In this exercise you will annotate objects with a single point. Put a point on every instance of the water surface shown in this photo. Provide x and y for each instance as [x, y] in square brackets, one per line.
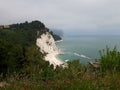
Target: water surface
[86, 48]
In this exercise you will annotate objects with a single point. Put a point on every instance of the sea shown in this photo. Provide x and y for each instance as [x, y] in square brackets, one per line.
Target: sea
[86, 48]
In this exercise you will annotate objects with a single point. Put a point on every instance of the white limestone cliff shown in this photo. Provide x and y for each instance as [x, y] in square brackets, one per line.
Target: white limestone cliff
[47, 44]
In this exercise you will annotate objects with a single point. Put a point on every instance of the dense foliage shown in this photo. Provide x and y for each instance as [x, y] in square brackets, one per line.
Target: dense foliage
[55, 36]
[17, 46]
[110, 60]
[23, 67]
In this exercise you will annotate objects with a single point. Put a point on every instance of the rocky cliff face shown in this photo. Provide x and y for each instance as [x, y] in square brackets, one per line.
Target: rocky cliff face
[46, 43]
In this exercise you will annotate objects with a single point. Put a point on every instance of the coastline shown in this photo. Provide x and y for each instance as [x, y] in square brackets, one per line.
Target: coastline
[47, 44]
[59, 41]
[53, 59]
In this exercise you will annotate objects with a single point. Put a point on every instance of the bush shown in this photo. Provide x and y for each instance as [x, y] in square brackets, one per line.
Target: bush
[110, 60]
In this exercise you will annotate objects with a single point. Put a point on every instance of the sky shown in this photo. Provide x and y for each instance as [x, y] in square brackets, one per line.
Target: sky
[72, 16]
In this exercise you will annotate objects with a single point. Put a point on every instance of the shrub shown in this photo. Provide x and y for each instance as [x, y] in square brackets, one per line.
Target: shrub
[110, 60]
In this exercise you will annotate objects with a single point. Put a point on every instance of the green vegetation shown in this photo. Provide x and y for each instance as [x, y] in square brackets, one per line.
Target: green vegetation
[110, 60]
[17, 47]
[22, 65]
[55, 36]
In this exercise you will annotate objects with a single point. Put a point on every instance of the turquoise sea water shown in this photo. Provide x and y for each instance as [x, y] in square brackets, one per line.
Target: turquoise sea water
[86, 48]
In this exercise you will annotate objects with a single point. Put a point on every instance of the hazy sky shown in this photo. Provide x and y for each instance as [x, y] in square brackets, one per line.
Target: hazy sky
[83, 16]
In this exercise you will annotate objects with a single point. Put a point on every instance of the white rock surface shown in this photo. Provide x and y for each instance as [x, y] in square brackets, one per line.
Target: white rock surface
[47, 45]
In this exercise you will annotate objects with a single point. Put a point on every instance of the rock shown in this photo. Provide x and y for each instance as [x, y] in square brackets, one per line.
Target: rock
[95, 64]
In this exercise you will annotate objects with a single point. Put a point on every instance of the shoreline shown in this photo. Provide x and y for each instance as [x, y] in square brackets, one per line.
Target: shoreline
[59, 40]
[53, 59]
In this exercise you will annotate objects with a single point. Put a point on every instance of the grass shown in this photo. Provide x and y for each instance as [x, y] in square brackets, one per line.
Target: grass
[110, 81]
[110, 60]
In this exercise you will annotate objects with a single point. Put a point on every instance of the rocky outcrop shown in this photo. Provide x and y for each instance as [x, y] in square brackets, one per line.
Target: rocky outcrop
[46, 43]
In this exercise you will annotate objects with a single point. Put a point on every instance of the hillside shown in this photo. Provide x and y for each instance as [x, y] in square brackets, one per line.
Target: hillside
[15, 42]
[25, 33]
[23, 65]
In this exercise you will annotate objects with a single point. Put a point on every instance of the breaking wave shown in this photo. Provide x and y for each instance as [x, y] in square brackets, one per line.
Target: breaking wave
[81, 55]
[66, 60]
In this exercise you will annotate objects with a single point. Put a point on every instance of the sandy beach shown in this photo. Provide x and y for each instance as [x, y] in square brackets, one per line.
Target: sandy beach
[52, 58]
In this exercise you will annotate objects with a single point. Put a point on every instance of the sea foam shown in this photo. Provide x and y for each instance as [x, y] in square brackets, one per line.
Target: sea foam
[81, 55]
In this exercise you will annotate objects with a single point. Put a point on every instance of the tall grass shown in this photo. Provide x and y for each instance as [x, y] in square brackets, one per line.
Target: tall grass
[110, 59]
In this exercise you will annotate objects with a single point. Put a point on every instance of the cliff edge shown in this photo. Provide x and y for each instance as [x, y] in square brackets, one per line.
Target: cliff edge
[46, 43]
